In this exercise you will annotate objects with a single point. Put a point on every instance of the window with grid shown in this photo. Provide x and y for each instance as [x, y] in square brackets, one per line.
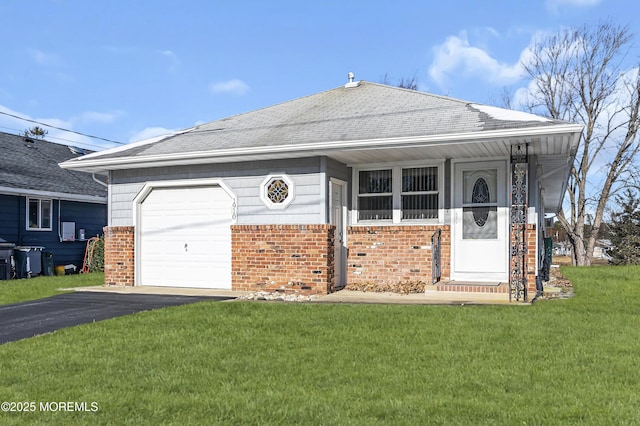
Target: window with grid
[39, 214]
[375, 195]
[413, 192]
[420, 193]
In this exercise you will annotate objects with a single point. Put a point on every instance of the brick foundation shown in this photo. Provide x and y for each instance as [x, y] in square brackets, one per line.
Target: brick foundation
[119, 255]
[391, 254]
[532, 254]
[287, 258]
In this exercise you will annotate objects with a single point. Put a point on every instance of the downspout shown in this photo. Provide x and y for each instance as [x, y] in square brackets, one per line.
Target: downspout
[93, 176]
[59, 223]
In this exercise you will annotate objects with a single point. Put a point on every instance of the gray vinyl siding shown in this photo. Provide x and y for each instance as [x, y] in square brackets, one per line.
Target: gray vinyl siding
[337, 170]
[244, 179]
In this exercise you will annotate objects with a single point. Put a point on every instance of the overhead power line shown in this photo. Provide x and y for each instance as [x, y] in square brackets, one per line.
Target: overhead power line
[60, 128]
[89, 145]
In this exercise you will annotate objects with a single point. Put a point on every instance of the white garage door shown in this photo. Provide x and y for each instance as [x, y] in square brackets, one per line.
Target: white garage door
[185, 238]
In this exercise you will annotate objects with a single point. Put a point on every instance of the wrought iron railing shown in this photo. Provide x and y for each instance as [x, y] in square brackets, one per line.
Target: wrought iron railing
[436, 272]
[519, 200]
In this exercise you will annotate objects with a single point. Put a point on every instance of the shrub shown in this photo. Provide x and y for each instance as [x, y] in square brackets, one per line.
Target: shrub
[96, 262]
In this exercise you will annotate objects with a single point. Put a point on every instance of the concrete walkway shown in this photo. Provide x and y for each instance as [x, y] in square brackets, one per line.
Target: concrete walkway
[342, 296]
[427, 298]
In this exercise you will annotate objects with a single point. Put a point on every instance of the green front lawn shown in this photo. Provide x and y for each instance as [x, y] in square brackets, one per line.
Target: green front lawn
[569, 361]
[14, 291]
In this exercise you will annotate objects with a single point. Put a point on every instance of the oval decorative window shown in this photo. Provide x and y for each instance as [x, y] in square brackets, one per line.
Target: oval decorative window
[480, 195]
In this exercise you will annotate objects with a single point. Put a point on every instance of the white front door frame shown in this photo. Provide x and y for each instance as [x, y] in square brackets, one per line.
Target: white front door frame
[483, 260]
[338, 217]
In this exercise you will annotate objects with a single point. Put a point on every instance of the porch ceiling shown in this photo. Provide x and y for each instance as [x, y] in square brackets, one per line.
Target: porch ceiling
[555, 146]
[554, 155]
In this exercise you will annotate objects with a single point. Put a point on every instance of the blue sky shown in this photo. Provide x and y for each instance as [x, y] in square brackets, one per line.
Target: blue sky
[127, 70]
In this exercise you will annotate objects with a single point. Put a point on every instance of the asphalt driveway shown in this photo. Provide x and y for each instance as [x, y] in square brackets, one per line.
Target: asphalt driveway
[28, 319]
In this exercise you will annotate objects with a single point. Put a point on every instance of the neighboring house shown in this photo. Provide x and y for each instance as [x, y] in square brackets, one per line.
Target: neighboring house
[601, 250]
[44, 206]
[343, 186]
[562, 248]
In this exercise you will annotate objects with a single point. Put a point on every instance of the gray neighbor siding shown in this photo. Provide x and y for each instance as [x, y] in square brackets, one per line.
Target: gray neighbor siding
[310, 177]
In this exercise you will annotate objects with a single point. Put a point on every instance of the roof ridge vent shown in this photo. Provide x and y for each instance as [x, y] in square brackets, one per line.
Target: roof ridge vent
[351, 83]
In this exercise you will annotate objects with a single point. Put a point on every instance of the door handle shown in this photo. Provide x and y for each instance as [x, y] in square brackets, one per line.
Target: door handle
[186, 247]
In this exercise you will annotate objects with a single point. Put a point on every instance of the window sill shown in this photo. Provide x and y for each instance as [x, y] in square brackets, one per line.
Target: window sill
[403, 223]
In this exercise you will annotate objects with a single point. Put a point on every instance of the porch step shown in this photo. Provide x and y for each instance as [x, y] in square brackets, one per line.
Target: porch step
[469, 287]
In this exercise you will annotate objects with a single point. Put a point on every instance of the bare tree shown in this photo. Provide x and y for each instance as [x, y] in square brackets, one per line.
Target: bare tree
[579, 76]
[410, 83]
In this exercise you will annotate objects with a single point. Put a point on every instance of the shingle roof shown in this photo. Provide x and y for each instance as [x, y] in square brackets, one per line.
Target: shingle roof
[33, 166]
[367, 112]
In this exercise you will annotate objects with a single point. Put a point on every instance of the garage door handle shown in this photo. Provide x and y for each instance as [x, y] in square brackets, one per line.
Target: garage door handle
[185, 247]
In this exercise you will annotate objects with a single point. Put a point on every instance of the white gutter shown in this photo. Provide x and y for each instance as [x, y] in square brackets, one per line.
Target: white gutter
[56, 195]
[96, 163]
[95, 179]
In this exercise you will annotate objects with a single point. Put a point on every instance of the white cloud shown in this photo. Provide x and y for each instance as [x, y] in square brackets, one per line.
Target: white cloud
[150, 132]
[12, 124]
[235, 87]
[174, 61]
[44, 58]
[456, 56]
[99, 117]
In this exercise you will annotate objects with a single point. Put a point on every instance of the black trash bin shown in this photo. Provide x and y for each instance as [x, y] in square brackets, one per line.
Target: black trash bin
[28, 261]
[47, 264]
[6, 251]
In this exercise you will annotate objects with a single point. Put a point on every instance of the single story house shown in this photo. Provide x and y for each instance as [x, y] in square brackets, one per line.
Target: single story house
[362, 183]
[44, 208]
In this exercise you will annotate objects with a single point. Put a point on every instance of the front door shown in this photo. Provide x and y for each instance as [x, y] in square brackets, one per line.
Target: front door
[338, 208]
[480, 246]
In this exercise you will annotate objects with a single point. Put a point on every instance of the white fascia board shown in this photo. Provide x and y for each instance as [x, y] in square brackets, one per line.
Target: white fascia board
[53, 195]
[121, 148]
[174, 159]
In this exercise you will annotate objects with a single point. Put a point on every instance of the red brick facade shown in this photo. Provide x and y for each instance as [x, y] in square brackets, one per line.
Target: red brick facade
[530, 270]
[392, 254]
[282, 258]
[119, 255]
[300, 258]
[532, 254]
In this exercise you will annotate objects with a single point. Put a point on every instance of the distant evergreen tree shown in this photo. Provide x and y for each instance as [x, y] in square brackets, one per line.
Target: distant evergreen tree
[35, 132]
[625, 231]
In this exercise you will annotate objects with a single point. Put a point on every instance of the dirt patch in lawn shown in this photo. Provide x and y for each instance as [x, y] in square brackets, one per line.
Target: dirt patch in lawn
[558, 286]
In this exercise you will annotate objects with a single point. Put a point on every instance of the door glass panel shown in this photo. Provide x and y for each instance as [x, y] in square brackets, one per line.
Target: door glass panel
[470, 228]
[480, 210]
[480, 194]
